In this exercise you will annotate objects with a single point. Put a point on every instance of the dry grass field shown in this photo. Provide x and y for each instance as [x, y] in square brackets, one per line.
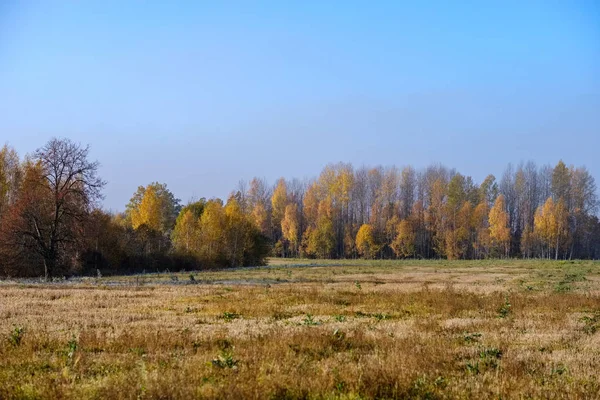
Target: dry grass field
[309, 329]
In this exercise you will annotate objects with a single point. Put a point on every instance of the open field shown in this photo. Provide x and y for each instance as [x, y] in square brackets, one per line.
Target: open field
[309, 329]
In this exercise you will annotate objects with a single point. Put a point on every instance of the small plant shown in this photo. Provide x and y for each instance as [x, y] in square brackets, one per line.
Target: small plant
[138, 351]
[358, 286]
[490, 353]
[504, 310]
[380, 316]
[473, 368]
[339, 335]
[230, 316]
[591, 324]
[72, 347]
[192, 279]
[225, 360]
[16, 335]
[489, 357]
[471, 337]
[560, 369]
[310, 321]
[340, 318]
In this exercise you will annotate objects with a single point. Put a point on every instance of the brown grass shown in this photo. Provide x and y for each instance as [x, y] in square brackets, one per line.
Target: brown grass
[511, 329]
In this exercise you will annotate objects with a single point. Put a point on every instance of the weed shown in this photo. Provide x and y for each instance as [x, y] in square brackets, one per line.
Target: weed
[230, 316]
[380, 316]
[591, 324]
[16, 335]
[490, 353]
[559, 369]
[504, 310]
[225, 360]
[473, 368]
[72, 346]
[340, 318]
[138, 351]
[489, 357]
[471, 337]
[358, 286]
[310, 321]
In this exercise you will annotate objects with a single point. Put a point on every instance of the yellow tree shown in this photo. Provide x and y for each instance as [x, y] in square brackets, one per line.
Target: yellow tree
[185, 231]
[149, 211]
[436, 217]
[235, 232]
[212, 232]
[458, 237]
[260, 216]
[320, 239]
[561, 215]
[290, 226]
[544, 226]
[551, 226]
[279, 201]
[481, 228]
[499, 226]
[311, 205]
[403, 244]
[365, 242]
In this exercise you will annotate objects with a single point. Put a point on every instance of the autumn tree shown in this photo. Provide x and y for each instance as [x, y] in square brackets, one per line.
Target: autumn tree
[403, 244]
[62, 187]
[500, 227]
[481, 230]
[551, 227]
[279, 201]
[185, 232]
[290, 227]
[154, 206]
[366, 243]
[320, 241]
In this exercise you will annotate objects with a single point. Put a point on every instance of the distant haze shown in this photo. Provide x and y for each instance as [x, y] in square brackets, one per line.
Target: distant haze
[200, 95]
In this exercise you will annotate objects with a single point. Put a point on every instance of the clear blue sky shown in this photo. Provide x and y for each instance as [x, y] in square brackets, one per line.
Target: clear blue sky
[202, 94]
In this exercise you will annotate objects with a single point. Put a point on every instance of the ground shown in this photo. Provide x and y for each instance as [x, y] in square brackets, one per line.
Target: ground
[309, 329]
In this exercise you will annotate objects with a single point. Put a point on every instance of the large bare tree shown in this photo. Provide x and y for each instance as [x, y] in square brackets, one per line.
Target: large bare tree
[68, 189]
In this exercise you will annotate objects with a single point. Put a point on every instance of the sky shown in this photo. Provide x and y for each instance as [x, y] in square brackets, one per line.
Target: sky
[201, 94]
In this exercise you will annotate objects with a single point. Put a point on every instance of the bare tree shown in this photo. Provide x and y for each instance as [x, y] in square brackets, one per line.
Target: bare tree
[69, 188]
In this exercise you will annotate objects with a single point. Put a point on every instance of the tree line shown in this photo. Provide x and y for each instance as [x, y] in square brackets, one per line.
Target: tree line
[51, 222]
[541, 212]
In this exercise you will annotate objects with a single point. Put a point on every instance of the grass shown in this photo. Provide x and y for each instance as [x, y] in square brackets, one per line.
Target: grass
[309, 329]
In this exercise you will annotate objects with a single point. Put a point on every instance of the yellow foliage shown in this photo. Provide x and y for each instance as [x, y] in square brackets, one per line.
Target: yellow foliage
[366, 243]
[279, 201]
[499, 226]
[290, 225]
[149, 211]
[403, 244]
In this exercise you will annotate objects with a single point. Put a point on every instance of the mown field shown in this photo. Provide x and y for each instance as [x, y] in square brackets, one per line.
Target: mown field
[309, 329]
